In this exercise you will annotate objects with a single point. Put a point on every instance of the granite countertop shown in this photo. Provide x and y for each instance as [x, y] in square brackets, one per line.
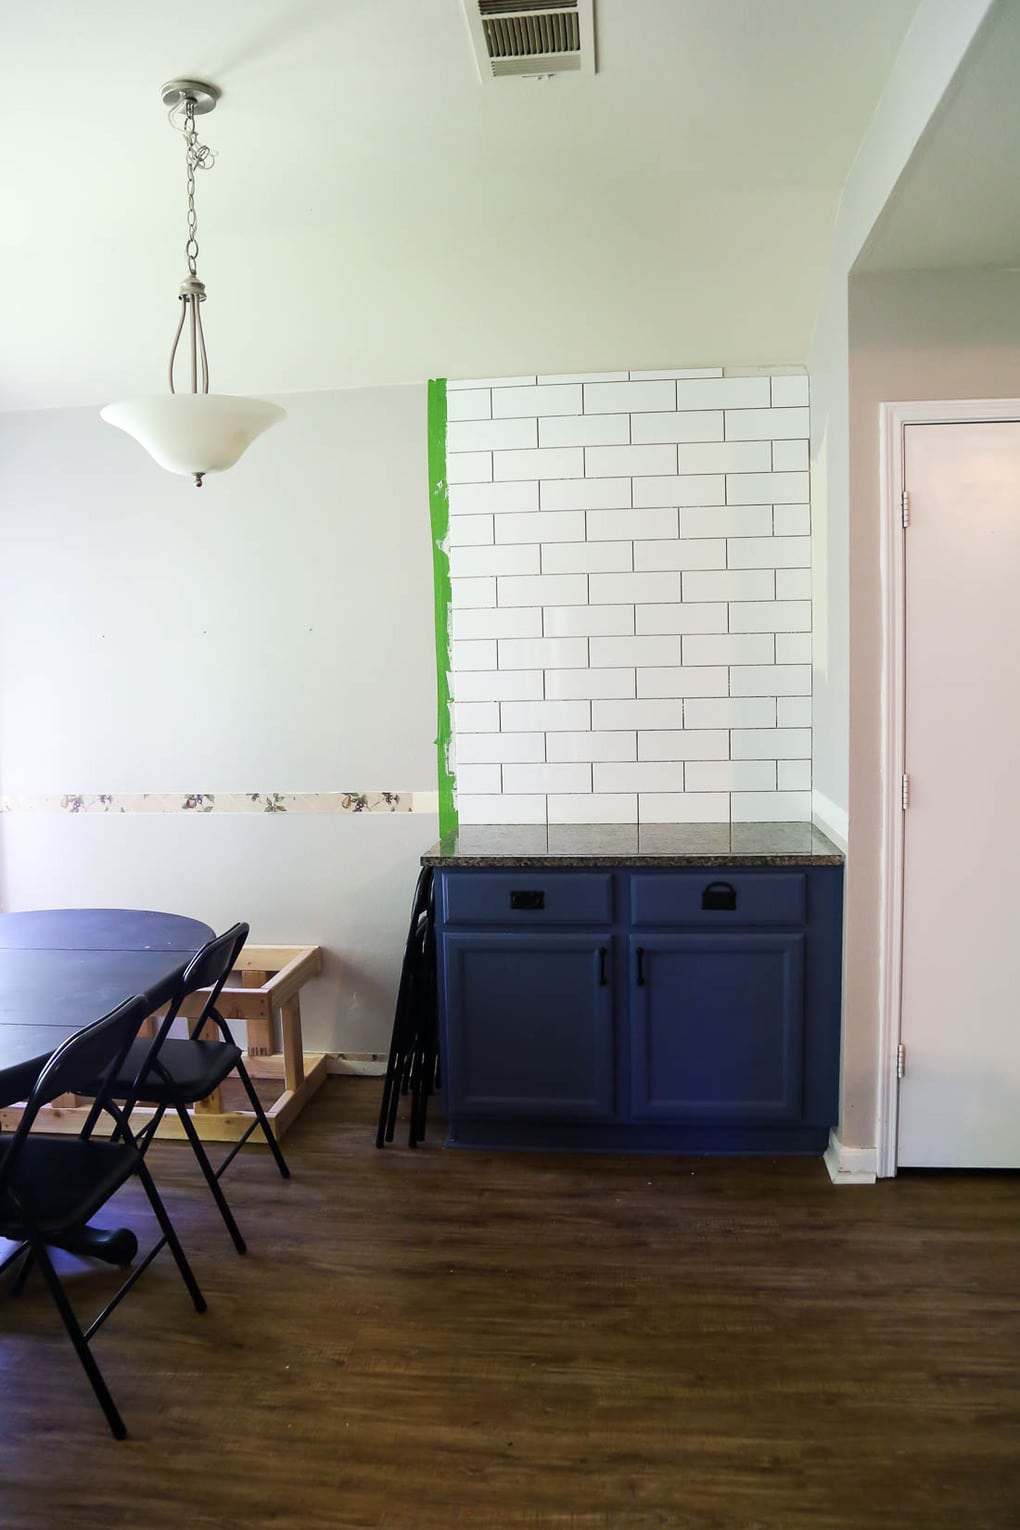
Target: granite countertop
[721, 844]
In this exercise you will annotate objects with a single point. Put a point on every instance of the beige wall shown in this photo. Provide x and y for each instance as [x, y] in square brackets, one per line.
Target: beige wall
[913, 335]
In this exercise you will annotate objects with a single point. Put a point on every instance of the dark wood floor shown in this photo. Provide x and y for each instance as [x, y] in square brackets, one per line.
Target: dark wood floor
[430, 1340]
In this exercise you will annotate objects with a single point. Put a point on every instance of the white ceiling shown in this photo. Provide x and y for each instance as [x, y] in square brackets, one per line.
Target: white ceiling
[958, 201]
[377, 214]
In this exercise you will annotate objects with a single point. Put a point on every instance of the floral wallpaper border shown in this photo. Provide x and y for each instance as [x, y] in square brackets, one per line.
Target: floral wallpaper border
[223, 802]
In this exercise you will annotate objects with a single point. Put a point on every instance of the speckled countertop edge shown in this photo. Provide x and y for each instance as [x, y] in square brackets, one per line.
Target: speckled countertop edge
[779, 844]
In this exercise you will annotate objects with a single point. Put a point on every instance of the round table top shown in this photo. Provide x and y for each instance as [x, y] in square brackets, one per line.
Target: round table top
[60, 969]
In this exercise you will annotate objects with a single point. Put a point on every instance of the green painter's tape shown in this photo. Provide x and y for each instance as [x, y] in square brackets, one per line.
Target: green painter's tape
[439, 508]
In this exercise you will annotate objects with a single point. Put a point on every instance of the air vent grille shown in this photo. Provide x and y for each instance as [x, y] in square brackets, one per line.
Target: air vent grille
[531, 37]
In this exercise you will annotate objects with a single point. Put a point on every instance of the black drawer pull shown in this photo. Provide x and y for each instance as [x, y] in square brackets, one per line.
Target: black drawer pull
[533, 900]
[719, 895]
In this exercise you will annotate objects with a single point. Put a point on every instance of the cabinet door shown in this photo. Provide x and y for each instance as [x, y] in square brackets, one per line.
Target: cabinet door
[717, 1027]
[529, 1025]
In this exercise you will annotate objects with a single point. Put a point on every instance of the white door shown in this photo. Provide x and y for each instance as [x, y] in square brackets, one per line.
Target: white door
[959, 1104]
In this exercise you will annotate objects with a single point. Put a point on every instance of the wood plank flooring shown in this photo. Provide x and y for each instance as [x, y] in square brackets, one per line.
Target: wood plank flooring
[440, 1339]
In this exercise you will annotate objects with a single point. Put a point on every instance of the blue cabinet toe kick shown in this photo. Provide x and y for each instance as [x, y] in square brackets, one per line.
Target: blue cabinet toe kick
[678, 1141]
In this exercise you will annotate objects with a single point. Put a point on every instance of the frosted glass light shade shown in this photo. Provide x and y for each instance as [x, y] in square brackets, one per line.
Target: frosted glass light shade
[194, 433]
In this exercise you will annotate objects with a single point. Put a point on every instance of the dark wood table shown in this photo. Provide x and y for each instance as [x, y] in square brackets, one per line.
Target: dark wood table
[60, 969]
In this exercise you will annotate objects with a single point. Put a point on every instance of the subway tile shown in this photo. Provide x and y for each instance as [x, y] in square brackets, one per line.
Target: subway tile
[675, 619]
[794, 775]
[730, 712]
[586, 494]
[547, 778]
[700, 552]
[496, 624]
[683, 807]
[469, 593]
[592, 746]
[793, 584]
[469, 404]
[547, 716]
[554, 462]
[742, 584]
[771, 743]
[771, 616]
[725, 457]
[471, 530]
[673, 681]
[793, 712]
[500, 809]
[479, 655]
[770, 807]
[570, 684]
[541, 526]
[693, 489]
[609, 715]
[469, 467]
[629, 461]
[731, 776]
[469, 562]
[595, 807]
[585, 430]
[770, 552]
[793, 648]
[692, 425]
[634, 525]
[456, 384]
[790, 457]
[499, 685]
[634, 650]
[629, 397]
[766, 424]
[770, 680]
[490, 435]
[729, 648]
[683, 372]
[587, 557]
[475, 779]
[588, 621]
[642, 776]
[726, 521]
[547, 398]
[792, 521]
[545, 590]
[611, 589]
[480, 748]
[759, 488]
[681, 744]
[789, 392]
[543, 653]
[584, 377]
[490, 498]
[724, 393]
[475, 717]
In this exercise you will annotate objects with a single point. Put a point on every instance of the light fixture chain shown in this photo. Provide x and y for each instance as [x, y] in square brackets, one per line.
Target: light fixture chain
[199, 157]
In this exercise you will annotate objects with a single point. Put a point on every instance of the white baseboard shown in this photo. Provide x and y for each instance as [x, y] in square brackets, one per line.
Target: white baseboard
[360, 1064]
[850, 1166]
[831, 819]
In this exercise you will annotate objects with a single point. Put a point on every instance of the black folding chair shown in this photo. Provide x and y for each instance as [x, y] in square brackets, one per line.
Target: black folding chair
[172, 1073]
[413, 1064]
[52, 1186]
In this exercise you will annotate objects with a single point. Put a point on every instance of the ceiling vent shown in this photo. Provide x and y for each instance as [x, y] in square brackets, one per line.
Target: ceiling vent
[531, 38]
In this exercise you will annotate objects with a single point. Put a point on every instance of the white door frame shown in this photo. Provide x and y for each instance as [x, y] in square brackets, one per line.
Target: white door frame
[894, 418]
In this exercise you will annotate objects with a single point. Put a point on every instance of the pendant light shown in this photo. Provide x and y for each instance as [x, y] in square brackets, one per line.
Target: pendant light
[197, 432]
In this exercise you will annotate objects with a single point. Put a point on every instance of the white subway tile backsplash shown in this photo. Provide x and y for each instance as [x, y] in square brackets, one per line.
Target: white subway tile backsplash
[479, 655]
[692, 489]
[468, 404]
[475, 717]
[545, 462]
[492, 498]
[587, 557]
[643, 776]
[544, 589]
[634, 525]
[793, 775]
[726, 521]
[692, 425]
[469, 562]
[706, 680]
[757, 488]
[683, 372]
[583, 377]
[770, 807]
[792, 521]
[548, 398]
[793, 648]
[770, 680]
[731, 776]
[467, 593]
[595, 807]
[455, 385]
[694, 744]
[588, 621]
[543, 653]
[724, 393]
[547, 778]
[490, 435]
[629, 461]
[770, 552]
[683, 807]
[586, 494]
[771, 743]
[765, 424]
[548, 716]
[609, 589]
[525, 622]
[592, 746]
[793, 584]
[471, 530]
[539, 526]
[500, 808]
[730, 712]
[634, 651]
[481, 748]
[498, 685]
[743, 584]
[610, 715]
[475, 779]
[585, 430]
[789, 392]
[469, 467]
[729, 648]
[790, 457]
[629, 397]
[699, 552]
[725, 457]
[771, 616]
[568, 684]
[678, 618]
[793, 712]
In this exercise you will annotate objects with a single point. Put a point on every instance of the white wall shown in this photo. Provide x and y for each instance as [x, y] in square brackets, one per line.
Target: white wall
[271, 632]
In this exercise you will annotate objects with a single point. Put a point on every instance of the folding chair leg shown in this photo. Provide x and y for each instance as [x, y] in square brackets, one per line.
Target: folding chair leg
[260, 1116]
[74, 1333]
[211, 1180]
[27, 1263]
[166, 1227]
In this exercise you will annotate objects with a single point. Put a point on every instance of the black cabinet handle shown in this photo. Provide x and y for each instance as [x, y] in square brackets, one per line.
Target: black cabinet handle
[640, 954]
[719, 895]
[603, 980]
[527, 899]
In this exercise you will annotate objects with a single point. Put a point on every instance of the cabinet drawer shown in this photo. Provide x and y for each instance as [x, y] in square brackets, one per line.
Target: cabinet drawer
[718, 896]
[527, 897]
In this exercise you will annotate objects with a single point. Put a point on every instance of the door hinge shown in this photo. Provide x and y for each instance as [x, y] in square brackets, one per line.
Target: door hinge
[905, 791]
[905, 508]
[901, 1060]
